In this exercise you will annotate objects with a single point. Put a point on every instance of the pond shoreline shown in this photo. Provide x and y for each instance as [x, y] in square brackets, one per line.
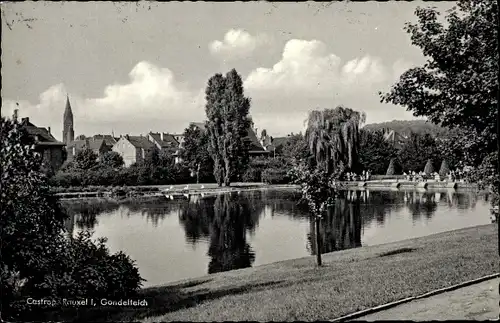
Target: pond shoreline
[298, 290]
[198, 189]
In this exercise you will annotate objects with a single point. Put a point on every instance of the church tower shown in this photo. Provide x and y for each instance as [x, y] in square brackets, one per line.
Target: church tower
[68, 131]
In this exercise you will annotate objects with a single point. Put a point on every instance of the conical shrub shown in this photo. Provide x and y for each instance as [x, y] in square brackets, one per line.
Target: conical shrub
[444, 170]
[429, 169]
[391, 170]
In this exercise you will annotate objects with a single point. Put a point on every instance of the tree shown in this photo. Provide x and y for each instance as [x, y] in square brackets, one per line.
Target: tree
[227, 125]
[85, 159]
[374, 151]
[333, 139]
[416, 151]
[194, 151]
[318, 192]
[451, 147]
[37, 259]
[31, 221]
[457, 87]
[295, 148]
[112, 159]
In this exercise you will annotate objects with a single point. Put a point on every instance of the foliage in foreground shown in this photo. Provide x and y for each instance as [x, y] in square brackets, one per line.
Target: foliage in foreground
[38, 261]
[457, 86]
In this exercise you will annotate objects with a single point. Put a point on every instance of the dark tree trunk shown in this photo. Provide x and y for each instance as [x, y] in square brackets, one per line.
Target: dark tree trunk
[198, 174]
[318, 242]
[227, 173]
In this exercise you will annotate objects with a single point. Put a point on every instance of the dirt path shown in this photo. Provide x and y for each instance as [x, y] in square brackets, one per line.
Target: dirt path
[475, 302]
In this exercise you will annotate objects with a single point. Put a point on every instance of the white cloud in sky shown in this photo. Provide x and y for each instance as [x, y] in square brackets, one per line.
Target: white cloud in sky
[307, 67]
[237, 43]
[151, 100]
[307, 77]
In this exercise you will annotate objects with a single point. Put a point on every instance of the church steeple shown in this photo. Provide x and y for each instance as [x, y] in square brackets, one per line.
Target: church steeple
[68, 131]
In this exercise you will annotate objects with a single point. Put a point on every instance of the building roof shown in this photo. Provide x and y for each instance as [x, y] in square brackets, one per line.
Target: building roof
[109, 140]
[200, 125]
[278, 142]
[168, 140]
[93, 144]
[393, 136]
[254, 143]
[41, 135]
[140, 142]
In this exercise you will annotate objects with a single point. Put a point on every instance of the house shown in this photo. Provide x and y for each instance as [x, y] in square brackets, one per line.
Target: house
[179, 137]
[98, 146]
[255, 147]
[134, 149]
[277, 144]
[109, 140]
[45, 144]
[197, 125]
[164, 142]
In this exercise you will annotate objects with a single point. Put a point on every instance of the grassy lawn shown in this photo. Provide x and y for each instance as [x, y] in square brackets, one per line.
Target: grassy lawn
[350, 280]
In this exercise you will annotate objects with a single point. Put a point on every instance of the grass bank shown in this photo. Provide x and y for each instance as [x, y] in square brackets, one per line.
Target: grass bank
[349, 281]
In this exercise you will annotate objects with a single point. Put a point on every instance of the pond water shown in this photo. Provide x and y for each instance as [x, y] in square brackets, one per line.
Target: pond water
[173, 240]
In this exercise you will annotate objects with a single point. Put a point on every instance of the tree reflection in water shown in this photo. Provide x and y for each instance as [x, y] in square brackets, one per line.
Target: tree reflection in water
[83, 213]
[225, 221]
[376, 205]
[340, 228]
[154, 212]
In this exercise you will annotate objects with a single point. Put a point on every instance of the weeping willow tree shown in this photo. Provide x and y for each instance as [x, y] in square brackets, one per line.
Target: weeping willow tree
[333, 138]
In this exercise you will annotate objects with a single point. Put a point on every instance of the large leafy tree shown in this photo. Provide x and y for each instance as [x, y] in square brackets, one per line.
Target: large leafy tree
[333, 137]
[111, 159]
[295, 148]
[375, 152]
[417, 150]
[451, 147]
[457, 87]
[85, 159]
[194, 151]
[227, 125]
[30, 219]
[37, 260]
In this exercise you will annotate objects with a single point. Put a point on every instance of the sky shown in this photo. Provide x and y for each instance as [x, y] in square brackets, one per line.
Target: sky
[131, 68]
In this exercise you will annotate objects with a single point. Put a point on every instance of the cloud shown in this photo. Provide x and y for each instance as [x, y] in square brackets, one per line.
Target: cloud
[307, 67]
[151, 100]
[237, 43]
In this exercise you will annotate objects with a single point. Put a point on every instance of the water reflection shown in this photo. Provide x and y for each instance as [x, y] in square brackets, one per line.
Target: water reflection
[225, 221]
[241, 230]
[340, 228]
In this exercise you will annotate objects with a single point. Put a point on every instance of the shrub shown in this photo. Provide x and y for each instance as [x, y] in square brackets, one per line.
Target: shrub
[429, 168]
[275, 176]
[444, 170]
[391, 170]
[66, 179]
[252, 175]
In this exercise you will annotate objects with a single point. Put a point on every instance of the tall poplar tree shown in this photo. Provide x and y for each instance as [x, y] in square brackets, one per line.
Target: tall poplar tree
[227, 125]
